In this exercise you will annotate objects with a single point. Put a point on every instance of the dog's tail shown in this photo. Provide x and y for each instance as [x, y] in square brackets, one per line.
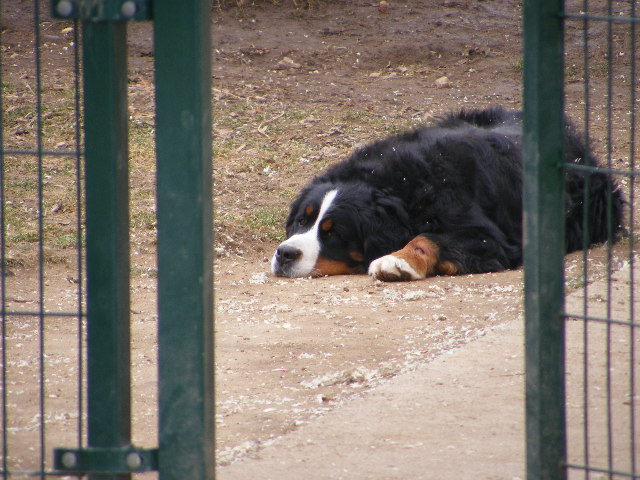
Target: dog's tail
[604, 215]
[489, 118]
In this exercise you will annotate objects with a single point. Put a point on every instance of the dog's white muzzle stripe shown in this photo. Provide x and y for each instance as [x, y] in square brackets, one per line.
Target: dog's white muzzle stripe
[308, 243]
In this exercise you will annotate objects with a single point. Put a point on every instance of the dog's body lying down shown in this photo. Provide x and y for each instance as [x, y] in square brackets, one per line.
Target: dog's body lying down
[444, 199]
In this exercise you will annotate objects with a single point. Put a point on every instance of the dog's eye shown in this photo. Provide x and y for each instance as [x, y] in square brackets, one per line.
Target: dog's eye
[302, 222]
[328, 227]
[331, 233]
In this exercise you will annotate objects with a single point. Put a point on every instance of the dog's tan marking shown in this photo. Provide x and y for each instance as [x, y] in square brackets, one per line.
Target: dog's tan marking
[447, 268]
[421, 254]
[326, 225]
[324, 266]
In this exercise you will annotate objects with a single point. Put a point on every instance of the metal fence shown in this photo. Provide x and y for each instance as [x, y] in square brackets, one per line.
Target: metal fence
[65, 269]
[582, 329]
[65, 400]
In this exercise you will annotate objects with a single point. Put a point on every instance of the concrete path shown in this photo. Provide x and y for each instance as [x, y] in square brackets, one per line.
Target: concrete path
[461, 416]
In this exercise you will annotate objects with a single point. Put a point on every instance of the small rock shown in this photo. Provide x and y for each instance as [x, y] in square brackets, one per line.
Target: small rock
[383, 7]
[443, 82]
[288, 62]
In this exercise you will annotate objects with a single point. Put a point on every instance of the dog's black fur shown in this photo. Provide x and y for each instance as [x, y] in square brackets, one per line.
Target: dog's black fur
[458, 183]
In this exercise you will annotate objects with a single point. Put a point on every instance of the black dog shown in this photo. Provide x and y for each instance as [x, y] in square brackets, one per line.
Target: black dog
[450, 194]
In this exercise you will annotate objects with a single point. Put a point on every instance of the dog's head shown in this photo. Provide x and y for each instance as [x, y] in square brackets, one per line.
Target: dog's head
[336, 229]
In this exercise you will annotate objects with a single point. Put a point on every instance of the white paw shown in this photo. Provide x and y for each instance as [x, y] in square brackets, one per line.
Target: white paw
[392, 269]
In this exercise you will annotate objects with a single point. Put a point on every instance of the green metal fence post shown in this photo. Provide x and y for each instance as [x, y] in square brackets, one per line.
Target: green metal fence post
[185, 229]
[107, 198]
[544, 238]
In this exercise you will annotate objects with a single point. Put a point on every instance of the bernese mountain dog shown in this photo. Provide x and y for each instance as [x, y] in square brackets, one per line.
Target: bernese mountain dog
[439, 200]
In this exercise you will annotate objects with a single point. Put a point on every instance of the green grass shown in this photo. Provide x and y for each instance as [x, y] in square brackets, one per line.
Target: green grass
[25, 184]
[24, 237]
[144, 219]
[267, 222]
[20, 173]
[518, 65]
[65, 240]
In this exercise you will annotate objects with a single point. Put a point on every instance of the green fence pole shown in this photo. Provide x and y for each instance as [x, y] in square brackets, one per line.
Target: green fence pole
[185, 229]
[107, 198]
[544, 238]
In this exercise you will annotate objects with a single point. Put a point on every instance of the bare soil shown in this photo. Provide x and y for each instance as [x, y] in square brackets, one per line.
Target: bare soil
[296, 86]
[462, 414]
[353, 72]
[289, 351]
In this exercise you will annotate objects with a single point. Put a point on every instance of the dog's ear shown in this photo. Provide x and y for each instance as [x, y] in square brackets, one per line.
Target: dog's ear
[293, 211]
[309, 195]
[387, 227]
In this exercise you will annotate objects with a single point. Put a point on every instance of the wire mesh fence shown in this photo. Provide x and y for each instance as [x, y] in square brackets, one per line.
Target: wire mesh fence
[601, 318]
[43, 396]
[73, 345]
[583, 339]
[42, 282]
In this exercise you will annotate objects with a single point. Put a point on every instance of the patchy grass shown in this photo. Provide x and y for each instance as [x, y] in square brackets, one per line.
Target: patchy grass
[68, 240]
[39, 185]
[277, 147]
[266, 222]
[518, 65]
[49, 182]
[255, 139]
[143, 218]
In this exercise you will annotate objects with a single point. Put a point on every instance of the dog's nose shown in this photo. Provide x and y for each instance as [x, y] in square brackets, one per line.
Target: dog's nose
[286, 254]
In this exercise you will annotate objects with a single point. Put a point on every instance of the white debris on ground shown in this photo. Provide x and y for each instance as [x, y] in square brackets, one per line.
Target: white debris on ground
[290, 350]
[259, 278]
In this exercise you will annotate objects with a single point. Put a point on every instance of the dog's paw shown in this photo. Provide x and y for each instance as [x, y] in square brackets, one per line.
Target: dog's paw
[393, 269]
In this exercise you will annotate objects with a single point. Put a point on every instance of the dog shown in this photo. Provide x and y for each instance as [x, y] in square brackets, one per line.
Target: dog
[439, 200]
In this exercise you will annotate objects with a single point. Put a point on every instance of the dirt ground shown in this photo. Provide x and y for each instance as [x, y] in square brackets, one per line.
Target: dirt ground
[302, 347]
[289, 351]
[297, 86]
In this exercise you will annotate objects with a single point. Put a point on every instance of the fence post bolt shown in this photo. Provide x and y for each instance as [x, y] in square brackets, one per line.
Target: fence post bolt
[133, 460]
[69, 459]
[64, 8]
[128, 9]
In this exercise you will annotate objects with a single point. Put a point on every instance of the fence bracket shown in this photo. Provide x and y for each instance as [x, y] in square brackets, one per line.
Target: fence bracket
[102, 10]
[98, 461]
